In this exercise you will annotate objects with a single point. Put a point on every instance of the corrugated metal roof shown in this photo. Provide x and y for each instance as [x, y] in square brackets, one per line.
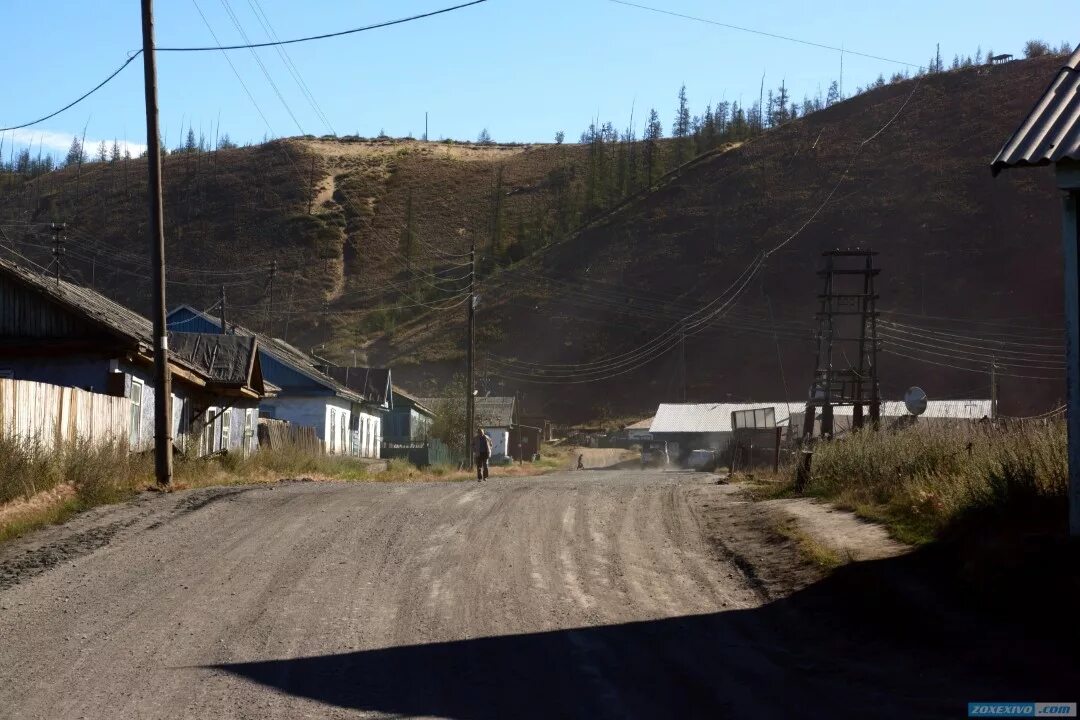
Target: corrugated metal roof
[708, 417]
[955, 409]
[1051, 131]
[490, 411]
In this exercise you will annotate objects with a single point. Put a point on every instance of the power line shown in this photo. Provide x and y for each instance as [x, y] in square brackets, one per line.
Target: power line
[885, 349]
[776, 36]
[264, 20]
[325, 36]
[78, 100]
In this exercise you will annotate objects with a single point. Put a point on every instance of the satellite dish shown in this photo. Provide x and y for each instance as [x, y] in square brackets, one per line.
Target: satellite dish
[915, 400]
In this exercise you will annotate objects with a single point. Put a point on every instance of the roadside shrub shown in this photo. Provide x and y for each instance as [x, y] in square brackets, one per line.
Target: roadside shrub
[99, 473]
[922, 478]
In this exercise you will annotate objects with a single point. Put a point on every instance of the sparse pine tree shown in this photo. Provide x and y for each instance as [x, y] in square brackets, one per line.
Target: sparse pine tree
[226, 143]
[484, 138]
[103, 152]
[654, 131]
[680, 128]
[978, 55]
[190, 145]
[559, 137]
[114, 153]
[832, 96]
[75, 153]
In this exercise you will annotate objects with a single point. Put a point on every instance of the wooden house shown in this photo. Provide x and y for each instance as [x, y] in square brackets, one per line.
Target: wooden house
[306, 396]
[58, 332]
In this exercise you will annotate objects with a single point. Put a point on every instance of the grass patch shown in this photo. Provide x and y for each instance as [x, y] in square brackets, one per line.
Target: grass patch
[921, 480]
[809, 547]
[41, 486]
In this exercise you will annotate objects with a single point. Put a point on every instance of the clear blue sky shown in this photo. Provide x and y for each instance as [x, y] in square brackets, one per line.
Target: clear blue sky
[521, 68]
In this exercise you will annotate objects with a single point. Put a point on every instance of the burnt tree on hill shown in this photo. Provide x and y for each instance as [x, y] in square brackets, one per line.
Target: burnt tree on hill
[654, 132]
[680, 129]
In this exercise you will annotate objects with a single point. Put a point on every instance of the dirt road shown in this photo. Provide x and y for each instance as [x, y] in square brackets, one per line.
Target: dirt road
[585, 594]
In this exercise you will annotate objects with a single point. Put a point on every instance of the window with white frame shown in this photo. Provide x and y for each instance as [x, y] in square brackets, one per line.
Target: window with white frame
[332, 435]
[249, 429]
[135, 425]
[208, 435]
[226, 427]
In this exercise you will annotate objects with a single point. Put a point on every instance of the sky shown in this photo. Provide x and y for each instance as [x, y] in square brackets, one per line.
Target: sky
[523, 69]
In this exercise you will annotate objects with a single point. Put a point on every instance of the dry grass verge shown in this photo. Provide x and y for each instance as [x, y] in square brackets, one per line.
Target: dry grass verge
[921, 480]
[40, 486]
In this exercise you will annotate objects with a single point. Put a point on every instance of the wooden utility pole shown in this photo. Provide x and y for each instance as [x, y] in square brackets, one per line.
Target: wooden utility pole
[224, 319]
[58, 247]
[993, 388]
[162, 382]
[682, 362]
[270, 300]
[470, 406]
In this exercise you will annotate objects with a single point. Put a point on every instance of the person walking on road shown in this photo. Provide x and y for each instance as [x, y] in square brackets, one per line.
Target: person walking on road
[580, 462]
[482, 453]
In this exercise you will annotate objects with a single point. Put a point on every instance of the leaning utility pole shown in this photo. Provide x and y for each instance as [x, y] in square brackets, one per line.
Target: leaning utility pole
[162, 381]
[470, 406]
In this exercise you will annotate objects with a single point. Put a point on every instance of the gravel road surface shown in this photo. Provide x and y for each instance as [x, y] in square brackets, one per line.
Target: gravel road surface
[582, 594]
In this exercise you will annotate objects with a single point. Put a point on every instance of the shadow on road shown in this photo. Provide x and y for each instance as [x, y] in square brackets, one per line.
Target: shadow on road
[849, 646]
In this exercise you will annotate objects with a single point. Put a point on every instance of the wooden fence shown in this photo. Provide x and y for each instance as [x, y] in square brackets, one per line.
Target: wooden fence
[278, 434]
[52, 415]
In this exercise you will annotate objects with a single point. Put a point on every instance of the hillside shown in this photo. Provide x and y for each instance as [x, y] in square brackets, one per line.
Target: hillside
[970, 264]
[369, 237]
[229, 214]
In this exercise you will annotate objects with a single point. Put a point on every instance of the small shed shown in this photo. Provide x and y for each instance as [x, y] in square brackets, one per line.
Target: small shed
[641, 430]
[706, 426]
[1050, 135]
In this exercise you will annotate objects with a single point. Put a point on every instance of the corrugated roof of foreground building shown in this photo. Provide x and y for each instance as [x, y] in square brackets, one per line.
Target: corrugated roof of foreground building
[708, 417]
[1051, 131]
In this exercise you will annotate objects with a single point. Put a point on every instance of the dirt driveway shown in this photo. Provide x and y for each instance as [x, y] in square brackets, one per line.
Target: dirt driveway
[582, 594]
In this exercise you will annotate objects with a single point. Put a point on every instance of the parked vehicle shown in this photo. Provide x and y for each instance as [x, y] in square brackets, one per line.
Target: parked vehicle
[701, 460]
[654, 454]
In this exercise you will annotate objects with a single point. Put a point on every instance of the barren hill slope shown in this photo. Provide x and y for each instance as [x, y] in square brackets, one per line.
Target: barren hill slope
[330, 212]
[970, 264]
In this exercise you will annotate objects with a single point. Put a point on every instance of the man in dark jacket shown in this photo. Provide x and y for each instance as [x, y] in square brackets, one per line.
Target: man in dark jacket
[481, 446]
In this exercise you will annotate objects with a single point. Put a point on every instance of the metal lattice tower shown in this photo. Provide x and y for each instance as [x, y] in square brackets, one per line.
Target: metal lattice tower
[847, 342]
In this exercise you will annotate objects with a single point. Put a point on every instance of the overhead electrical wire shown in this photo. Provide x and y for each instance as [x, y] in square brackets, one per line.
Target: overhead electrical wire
[286, 59]
[765, 33]
[325, 36]
[691, 325]
[134, 54]
[1000, 373]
